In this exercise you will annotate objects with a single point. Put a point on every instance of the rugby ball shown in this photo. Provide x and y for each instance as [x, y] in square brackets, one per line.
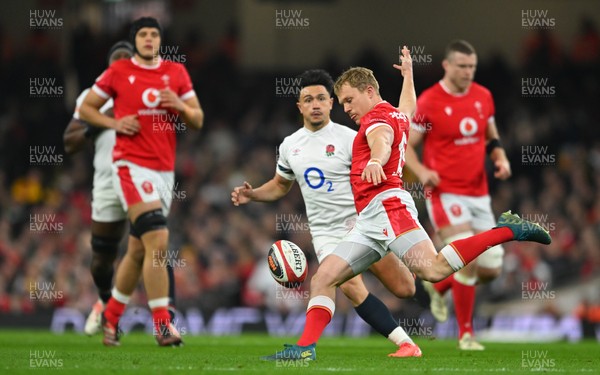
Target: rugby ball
[287, 264]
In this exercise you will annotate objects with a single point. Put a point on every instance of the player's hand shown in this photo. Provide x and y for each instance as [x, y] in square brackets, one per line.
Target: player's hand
[502, 169]
[374, 174]
[429, 177]
[128, 125]
[169, 99]
[241, 194]
[406, 67]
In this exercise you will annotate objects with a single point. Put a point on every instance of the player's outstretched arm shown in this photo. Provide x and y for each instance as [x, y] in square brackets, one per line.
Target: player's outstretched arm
[270, 191]
[408, 96]
[496, 152]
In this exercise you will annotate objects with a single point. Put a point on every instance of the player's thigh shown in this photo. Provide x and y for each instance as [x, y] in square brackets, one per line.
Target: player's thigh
[394, 275]
[422, 259]
[333, 271]
[448, 211]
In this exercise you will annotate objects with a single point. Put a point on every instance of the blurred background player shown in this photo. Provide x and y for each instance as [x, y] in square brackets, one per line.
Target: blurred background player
[149, 94]
[387, 217]
[455, 122]
[318, 157]
[108, 216]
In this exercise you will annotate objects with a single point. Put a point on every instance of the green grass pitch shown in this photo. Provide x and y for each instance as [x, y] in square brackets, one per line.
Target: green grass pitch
[40, 352]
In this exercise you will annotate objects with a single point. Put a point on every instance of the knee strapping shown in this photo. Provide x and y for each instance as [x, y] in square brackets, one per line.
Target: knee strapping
[149, 221]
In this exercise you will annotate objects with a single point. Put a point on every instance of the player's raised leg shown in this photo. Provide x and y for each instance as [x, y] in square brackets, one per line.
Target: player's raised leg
[459, 253]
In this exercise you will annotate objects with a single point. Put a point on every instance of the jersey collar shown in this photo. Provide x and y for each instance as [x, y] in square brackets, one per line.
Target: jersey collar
[318, 131]
[150, 67]
[447, 90]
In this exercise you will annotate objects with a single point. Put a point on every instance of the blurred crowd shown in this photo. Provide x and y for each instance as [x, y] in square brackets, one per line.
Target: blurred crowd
[220, 249]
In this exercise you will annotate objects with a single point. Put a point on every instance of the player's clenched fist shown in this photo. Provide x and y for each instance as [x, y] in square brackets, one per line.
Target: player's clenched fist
[241, 194]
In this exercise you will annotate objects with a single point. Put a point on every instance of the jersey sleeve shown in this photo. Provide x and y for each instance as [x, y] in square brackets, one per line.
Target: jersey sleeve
[78, 102]
[185, 89]
[283, 166]
[104, 85]
[374, 120]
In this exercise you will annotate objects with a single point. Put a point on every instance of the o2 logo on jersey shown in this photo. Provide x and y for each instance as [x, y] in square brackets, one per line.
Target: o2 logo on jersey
[151, 97]
[468, 126]
[311, 173]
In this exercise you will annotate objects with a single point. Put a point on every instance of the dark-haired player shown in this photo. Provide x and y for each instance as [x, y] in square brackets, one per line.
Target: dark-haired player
[108, 216]
[148, 95]
[318, 157]
[455, 122]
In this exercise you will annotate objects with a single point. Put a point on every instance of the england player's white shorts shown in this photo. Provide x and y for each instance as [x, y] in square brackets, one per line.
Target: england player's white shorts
[135, 184]
[390, 217]
[106, 206]
[453, 209]
[325, 245]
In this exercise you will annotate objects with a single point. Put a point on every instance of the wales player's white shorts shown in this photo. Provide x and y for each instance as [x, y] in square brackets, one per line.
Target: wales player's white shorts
[135, 184]
[453, 209]
[390, 217]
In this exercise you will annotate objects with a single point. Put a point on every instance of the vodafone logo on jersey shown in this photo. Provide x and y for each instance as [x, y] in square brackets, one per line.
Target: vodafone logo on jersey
[151, 97]
[468, 126]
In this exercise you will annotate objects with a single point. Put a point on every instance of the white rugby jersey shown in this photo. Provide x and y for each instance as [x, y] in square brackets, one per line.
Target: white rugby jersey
[104, 144]
[320, 163]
